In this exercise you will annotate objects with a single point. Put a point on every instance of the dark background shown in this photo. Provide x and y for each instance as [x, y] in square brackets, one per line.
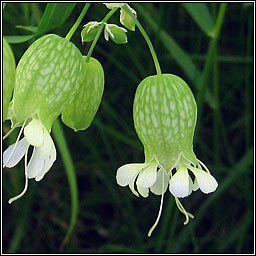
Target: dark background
[111, 219]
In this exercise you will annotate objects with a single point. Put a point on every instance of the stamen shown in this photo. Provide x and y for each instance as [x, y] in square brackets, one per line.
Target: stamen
[15, 144]
[182, 209]
[26, 181]
[160, 210]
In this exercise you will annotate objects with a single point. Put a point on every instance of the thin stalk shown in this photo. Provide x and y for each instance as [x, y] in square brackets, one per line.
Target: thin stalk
[77, 23]
[71, 176]
[102, 25]
[144, 34]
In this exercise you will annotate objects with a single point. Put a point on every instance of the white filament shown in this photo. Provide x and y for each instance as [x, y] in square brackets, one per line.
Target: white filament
[160, 210]
[26, 181]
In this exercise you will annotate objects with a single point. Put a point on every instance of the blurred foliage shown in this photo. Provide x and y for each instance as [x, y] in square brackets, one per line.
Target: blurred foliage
[111, 219]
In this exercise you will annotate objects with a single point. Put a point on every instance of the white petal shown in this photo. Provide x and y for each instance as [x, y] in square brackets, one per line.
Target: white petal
[127, 173]
[12, 155]
[148, 176]
[42, 159]
[143, 191]
[46, 147]
[179, 183]
[34, 133]
[158, 187]
[35, 165]
[48, 163]
[205, 180]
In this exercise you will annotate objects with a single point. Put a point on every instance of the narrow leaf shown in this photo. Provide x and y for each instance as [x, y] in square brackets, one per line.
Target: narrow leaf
[69, 167]
[54, 16]
[18, 39]
[27, 28]
[201, 15]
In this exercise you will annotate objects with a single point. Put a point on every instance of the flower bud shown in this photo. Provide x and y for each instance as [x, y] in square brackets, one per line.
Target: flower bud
[117, 34]
[89, 31]
[47, 78]
[79, 114]
[9, 66]
[126, 19]
[113, 5]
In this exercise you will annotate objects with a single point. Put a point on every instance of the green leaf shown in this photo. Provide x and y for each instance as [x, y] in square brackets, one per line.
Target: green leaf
[54, 16]
[69, 167]
[28, 28]
[201, 15]
[18, 39]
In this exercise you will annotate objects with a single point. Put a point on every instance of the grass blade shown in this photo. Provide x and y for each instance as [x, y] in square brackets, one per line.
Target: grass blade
[71, 176]
[201, 15]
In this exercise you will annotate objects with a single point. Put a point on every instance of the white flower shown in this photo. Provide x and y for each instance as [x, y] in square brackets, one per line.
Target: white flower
[43, 156]
[151, 176]
[148, 178]
[181, 184]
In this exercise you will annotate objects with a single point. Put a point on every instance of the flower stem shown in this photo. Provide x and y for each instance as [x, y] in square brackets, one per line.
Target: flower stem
[106, 18]
[144, 34]
[77, 23]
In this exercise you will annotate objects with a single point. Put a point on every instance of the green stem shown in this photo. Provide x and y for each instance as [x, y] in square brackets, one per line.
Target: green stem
[71, 176]
[102, 25]
[77, 23]
[144, 34]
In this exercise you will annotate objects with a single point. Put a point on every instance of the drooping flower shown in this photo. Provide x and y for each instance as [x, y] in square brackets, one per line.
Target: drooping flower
[165, 117]
[48, 76]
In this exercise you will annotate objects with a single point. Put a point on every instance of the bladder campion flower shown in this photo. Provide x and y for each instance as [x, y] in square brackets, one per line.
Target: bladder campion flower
[47, 77]
[165, 117]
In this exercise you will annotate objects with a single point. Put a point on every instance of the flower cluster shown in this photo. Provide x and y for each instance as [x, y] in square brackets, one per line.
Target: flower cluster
[52, 78]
